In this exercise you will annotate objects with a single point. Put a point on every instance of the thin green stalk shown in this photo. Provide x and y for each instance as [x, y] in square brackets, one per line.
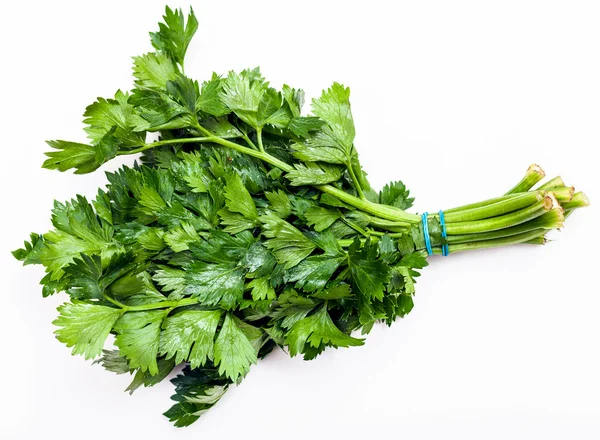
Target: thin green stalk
[579, 200]
[480, 204]
[384, 211]
[512, 204]
[167, 142]
[159, 305]
[562, 193]
[354, 226]
[550, 220]
[249, 141]
[534, 175]
[245, 150]
[514, 239]
[260, 140]
[355, 181]
[388, 225]
[503, 221]
[552, 183]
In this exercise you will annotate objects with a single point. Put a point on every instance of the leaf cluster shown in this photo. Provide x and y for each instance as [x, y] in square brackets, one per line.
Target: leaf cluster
[206, 254]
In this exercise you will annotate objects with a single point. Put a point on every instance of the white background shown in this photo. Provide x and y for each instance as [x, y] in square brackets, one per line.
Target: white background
[455, 98]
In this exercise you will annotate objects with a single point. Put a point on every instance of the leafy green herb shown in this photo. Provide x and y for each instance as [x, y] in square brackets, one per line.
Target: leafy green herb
[248, 225]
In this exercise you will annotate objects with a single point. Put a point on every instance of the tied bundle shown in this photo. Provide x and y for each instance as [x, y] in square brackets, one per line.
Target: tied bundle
[246, 226]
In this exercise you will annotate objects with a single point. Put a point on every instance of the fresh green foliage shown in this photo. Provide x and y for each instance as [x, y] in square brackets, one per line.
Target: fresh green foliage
[85, 326]
[189, 335]
[233, 351]
[317, 331]
[246, 226]
[174, 35]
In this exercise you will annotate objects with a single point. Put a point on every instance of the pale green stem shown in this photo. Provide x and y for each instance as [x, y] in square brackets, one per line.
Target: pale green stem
[503, 221]
[551, 220]
[167, 142]
[534, 175]
[355, 181]
[159, 305]
[260, 141]
[552, 183]
[505, 241]
[502, 207]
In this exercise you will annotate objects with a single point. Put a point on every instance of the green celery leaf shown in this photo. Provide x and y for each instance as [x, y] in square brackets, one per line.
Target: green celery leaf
[221, 127]
[85, 327]
[315, 330]
[414, 260]
[272, 111]
[103, 207]
[185, 92]
[387, 249]
[215, 284]
[112, 361]
[288, 244]
[29, 254]
[153, 70]
[179, 238]
[90, 276]
[243, 96]
[78, 231]
[209, 100]
[193, 171]
[233, 351]
[292, 308]
[336, 290]
[160, 111]
[396, 194]
[235, 223]
[221, 247]
[314, 272]
[258, 261]
[133, 283]
[189, 336]
[294, 99]
[262, 289]
[171, 280]
[303, 126]
[84, 158]
[326, 241]
[237, 197]
[368, 273]
[311, 173]
[196, 391]
[115, 115]
[145, 378]
[138, 338]
[174, 35]
[321, 218]
[334, 143]
[279, 203]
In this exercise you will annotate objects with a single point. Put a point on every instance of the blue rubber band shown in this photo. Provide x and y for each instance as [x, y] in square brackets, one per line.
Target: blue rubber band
[426, 233]
[445, 247]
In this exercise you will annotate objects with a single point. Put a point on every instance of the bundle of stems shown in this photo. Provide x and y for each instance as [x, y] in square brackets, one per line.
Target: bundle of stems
[525, 214]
